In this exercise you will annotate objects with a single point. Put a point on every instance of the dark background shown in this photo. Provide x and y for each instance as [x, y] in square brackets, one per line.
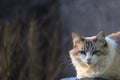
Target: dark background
[35, 35]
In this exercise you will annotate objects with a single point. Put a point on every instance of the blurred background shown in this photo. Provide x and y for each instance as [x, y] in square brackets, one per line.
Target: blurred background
[35, 35]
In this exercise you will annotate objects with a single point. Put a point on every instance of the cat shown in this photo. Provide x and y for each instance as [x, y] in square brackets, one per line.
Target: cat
[96, 56]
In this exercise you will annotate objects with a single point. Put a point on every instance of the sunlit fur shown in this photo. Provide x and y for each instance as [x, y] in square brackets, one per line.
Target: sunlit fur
[106, 64]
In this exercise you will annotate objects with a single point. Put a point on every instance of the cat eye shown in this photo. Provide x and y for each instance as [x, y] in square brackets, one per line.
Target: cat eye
[96, 52]
[82, 52]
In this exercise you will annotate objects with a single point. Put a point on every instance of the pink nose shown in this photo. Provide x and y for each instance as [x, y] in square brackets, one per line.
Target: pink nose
[89, 59]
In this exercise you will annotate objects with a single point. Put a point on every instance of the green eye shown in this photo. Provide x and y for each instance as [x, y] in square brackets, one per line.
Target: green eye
[82, 52]
[96, 52]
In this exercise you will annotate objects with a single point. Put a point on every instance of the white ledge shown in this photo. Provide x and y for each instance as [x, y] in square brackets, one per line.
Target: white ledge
[74, 78]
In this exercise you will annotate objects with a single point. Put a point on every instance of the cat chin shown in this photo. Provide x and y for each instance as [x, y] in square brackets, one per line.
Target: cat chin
[90, 64]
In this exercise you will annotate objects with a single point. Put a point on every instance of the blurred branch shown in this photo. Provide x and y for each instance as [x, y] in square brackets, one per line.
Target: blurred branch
[52, 69]
[10, 40]
[35, 61]
[27, 51]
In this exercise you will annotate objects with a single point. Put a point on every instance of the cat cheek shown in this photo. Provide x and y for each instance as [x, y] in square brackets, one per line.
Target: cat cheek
[73, 52]
[82, 56]
[94, 59]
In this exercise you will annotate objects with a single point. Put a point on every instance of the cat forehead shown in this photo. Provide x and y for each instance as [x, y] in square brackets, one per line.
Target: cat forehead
[89, 44]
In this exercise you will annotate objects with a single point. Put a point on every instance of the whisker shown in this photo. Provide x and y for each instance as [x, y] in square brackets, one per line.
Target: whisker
[66, 62]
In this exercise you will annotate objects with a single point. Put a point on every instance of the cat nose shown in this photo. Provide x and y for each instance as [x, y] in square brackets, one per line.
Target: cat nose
[89, 59]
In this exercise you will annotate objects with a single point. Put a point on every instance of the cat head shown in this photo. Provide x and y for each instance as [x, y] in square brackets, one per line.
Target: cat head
[89, 49]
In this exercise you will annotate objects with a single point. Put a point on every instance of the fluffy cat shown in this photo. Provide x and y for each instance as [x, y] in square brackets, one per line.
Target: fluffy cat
[96, 56]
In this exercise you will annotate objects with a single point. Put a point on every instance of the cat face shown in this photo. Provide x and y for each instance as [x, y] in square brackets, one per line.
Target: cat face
[89, 57]
[89, 49]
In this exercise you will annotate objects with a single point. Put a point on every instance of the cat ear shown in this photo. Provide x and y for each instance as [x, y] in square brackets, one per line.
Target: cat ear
[76, 38]
[74, 35]
[101, 35]
[101, 38]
